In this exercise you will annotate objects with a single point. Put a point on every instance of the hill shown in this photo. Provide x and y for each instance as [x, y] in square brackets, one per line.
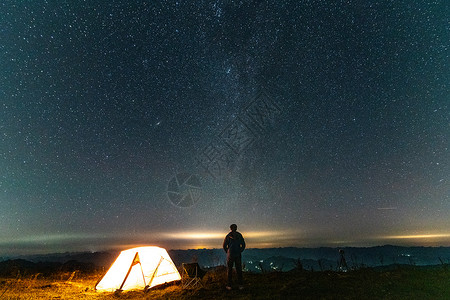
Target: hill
[279, 259]
[407, 282]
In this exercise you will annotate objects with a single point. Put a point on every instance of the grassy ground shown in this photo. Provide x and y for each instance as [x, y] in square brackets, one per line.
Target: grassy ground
[402, 283]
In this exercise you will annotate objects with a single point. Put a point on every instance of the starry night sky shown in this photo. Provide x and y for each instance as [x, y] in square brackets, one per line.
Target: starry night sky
[103, 103]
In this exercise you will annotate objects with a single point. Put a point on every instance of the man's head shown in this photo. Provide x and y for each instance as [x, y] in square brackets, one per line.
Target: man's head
[233, 227]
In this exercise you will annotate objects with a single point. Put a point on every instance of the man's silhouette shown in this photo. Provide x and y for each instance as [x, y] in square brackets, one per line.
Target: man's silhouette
[233, 245]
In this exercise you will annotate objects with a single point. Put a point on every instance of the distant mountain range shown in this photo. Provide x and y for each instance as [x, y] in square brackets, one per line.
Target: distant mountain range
[260, 260]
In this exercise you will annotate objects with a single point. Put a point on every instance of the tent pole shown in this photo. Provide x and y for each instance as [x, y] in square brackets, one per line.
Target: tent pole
[143, 276]
[129, 270]
[156, 269]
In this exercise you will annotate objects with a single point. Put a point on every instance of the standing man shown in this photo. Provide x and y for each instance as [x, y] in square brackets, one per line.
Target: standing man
[233, 245]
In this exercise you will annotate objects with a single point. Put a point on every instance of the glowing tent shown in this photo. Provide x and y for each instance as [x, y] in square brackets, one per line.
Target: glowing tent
[139, 268]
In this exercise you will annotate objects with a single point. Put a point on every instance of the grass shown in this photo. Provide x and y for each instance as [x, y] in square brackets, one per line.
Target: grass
[400, 283]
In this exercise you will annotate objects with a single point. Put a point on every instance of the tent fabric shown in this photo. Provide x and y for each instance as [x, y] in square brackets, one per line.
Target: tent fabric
[139, 268]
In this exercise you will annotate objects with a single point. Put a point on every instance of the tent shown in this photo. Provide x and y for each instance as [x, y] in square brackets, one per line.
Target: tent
[139, 268]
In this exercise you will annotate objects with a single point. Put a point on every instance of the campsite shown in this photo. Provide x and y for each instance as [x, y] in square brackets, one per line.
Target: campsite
[403, 283]
[22, 279]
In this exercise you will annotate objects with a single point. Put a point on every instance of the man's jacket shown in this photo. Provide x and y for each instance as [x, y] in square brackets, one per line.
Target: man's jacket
[234, 244]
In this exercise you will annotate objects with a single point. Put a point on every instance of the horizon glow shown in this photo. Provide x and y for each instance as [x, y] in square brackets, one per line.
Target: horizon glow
[201, 240]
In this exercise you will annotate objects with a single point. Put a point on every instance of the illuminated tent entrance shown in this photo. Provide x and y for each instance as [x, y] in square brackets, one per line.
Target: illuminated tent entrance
[139, 268]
